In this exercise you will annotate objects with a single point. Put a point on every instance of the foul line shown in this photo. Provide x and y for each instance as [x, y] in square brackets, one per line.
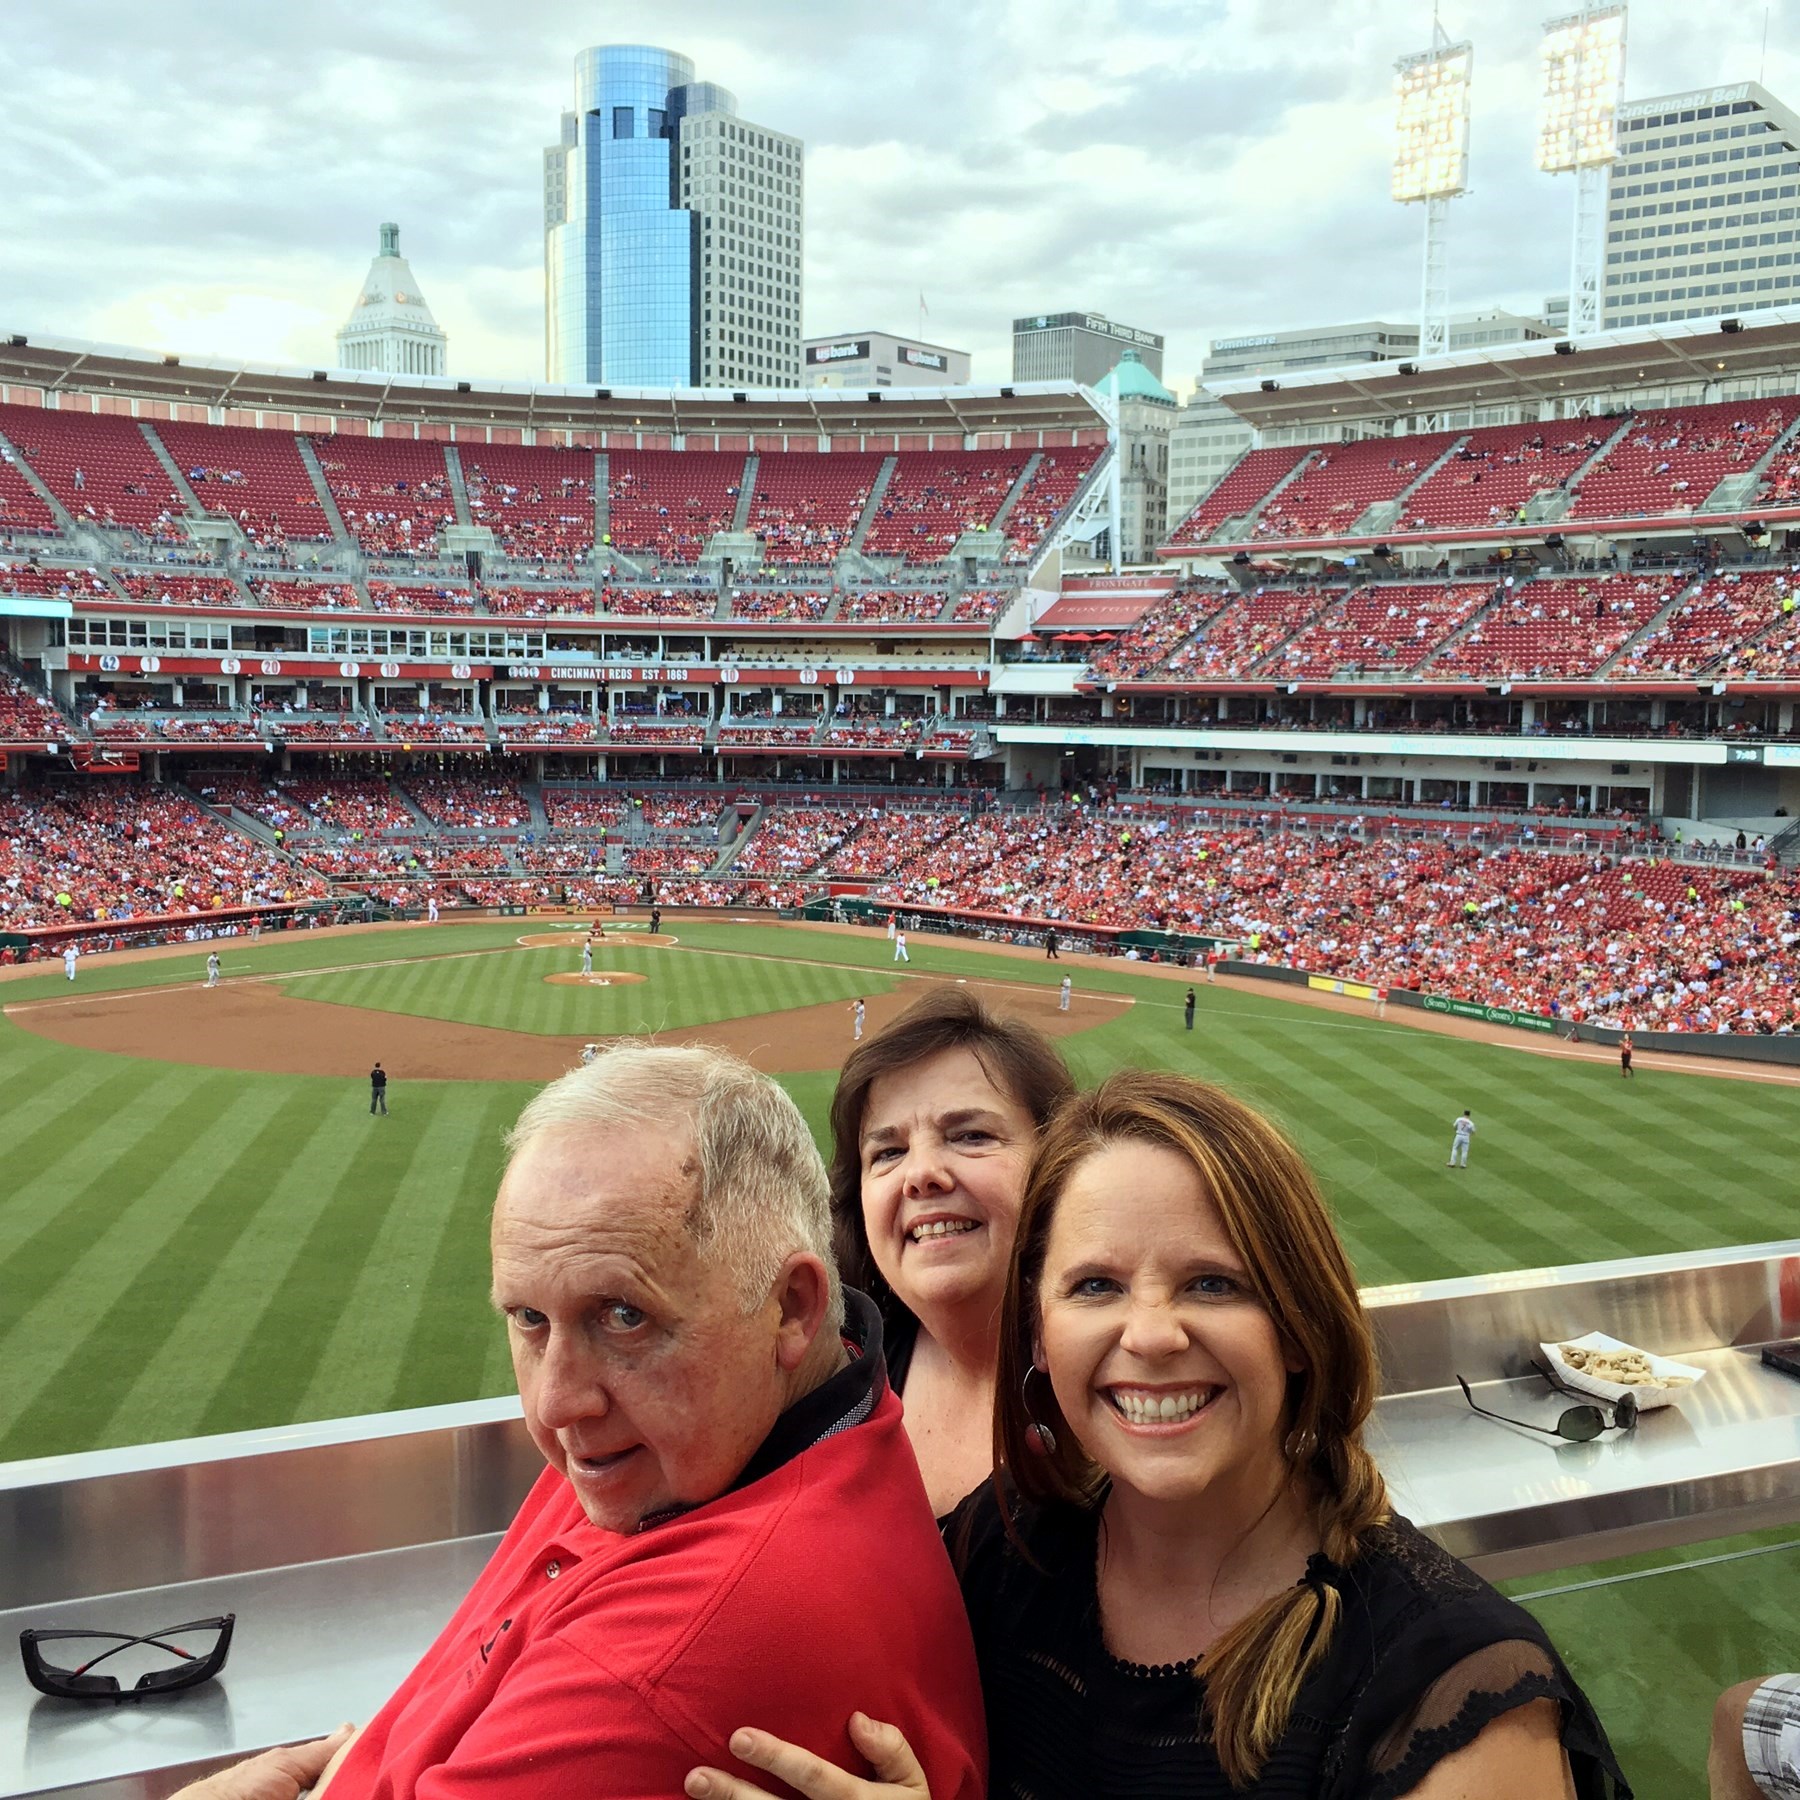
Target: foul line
[1675, 1568]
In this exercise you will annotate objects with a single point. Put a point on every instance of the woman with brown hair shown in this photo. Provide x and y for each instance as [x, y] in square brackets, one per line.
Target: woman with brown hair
[1186, 1577]
[933, 1125]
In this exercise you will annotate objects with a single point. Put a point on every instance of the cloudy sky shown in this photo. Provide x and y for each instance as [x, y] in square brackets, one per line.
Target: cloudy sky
[209, 178]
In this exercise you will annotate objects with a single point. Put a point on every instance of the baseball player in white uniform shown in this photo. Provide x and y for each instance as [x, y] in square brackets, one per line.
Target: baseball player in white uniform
[1459, 1144]
[212, 969]
[1063, 993]
[856, 1020]
[69, 955]
[900, 947]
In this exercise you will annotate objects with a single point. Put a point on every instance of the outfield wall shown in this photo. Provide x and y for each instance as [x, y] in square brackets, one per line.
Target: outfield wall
[1735, 1046]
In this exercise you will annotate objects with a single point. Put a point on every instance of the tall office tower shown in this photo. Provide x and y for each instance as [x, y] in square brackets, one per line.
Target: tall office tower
[390, 328]
[1700, 218]
[671, 232]
[1078, 347]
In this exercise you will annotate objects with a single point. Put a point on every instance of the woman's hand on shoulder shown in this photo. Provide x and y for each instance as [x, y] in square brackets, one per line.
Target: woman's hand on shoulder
[1520, 1752]
[896, 1774]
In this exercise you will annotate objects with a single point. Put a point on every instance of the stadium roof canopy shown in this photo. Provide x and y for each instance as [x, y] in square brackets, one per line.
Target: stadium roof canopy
[66, 363]
[1538, 374]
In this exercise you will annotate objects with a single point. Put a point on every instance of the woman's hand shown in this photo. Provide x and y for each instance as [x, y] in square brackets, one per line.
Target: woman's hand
[897, 1775]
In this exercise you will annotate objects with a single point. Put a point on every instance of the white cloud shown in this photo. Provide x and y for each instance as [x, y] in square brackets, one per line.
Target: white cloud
[209, 179]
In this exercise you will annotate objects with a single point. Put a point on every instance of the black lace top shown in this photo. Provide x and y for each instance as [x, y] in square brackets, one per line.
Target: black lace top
[1425, 1655]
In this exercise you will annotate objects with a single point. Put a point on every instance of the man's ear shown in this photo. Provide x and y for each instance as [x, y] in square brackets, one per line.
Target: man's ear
[802, 1292]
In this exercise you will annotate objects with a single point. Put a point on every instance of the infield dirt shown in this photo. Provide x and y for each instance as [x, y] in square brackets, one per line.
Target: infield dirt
[253, 1024]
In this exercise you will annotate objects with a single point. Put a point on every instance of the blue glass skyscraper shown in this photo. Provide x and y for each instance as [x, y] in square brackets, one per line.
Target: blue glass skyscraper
[640, 252]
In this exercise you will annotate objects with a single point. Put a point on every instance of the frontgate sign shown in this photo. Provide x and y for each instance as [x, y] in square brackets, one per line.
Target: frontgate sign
[1488, 1015]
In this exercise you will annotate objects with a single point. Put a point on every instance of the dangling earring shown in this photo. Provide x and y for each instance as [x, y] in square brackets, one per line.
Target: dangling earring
[1039, 1435]
[1300, 1444]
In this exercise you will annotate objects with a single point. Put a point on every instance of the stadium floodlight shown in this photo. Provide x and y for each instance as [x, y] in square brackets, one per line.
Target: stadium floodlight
[1583, 58]
[1431, 164]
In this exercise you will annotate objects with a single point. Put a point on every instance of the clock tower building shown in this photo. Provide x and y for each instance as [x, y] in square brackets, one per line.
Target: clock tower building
[390, 329]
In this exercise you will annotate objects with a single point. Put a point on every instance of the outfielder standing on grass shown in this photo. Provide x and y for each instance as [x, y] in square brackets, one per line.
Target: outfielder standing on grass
[1459, 1145]
[69, 955]
[378, 1090]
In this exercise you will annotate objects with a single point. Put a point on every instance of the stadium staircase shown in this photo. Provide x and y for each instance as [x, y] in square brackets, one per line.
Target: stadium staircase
[459, 488]
[1032, 464]
[413, 807]
[1469, 625]
[1735, 491]
[733, 850]
[1382, 515]
[872, 505]
[1784, 846]
[322, 489]
[602, 503]
[78, 536]
[534, 800]
[740, 514]
[176, 474]
[1677, 600]
[1547, 508]
[1236, 530]
[1052, 540]
[36, 684]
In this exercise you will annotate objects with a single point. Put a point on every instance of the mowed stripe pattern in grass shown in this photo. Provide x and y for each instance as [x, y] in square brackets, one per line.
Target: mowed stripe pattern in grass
[187, 1250]
[509, 991]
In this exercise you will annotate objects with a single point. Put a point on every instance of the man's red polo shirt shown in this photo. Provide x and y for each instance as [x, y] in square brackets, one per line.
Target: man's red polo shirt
[585, 1663]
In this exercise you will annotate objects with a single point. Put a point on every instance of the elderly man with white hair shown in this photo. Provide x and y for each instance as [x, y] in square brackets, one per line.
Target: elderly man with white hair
[731, 1526]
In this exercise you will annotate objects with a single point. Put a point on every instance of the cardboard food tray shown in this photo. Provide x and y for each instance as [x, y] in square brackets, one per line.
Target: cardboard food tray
[1648, 1395]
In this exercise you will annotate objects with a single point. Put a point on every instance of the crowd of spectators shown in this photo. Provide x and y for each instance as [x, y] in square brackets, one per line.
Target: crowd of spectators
[26, 716]
[1720, 619]
[791, 841]
[169, 588]
[1647, 943]
[392, 493]
[779, 608]
[933, 497]
[123, 848]
[473, 803]
[1134, 653]
[891, 606]
[1567, 626]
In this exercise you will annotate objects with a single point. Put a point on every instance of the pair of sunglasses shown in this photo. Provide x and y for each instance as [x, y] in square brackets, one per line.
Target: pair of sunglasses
[199, 1659]
[1579, 1424]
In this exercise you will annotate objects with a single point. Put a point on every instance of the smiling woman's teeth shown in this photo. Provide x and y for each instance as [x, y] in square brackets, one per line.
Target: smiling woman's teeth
[938, 1228]
[1160, 1409]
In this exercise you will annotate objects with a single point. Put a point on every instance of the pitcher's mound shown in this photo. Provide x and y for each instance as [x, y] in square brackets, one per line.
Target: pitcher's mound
[599, 978]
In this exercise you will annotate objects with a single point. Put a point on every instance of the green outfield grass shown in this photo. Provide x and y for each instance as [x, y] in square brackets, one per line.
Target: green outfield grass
[188, 1250]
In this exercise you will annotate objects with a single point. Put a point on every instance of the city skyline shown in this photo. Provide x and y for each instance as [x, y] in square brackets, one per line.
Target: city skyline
[1152, 162]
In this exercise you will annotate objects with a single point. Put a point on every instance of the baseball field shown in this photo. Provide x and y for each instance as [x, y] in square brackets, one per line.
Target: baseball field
[203, 1229]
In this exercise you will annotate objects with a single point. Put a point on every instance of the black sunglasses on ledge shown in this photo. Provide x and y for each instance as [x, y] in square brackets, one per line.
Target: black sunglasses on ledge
[1578, 1424]
[198, 1661]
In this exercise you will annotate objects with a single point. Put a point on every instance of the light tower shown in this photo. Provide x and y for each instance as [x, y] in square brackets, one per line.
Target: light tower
[1431, 163]
[1584, 80]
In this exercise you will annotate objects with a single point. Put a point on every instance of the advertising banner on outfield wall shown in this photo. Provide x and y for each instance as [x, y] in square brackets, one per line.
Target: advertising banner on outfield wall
[1488, 1015]
[1328, 984]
